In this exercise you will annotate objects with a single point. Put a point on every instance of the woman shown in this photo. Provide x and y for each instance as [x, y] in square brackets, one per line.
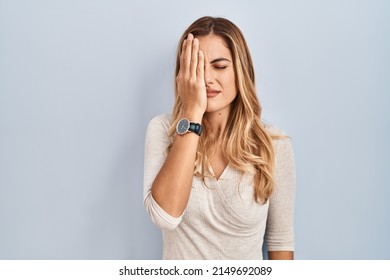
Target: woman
[217, 180]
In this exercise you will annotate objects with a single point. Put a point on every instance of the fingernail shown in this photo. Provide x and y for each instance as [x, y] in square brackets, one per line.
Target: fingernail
[190, 36]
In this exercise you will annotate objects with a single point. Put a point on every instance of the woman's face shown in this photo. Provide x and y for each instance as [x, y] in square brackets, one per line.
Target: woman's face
[219, 74]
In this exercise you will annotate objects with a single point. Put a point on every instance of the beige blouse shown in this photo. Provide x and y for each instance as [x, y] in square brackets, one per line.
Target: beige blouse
[222, 220]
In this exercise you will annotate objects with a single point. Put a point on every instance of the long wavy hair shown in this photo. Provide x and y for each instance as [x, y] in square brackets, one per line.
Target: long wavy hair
[247, 145]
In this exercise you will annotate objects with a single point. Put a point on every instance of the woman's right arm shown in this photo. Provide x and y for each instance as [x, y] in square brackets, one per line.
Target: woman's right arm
[172, 185]
[157, 163]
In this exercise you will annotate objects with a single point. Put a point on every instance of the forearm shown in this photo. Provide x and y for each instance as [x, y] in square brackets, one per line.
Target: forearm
[172, 185]
[280, 255]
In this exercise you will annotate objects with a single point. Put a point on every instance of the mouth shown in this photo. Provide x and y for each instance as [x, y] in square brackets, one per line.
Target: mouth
[212, 93]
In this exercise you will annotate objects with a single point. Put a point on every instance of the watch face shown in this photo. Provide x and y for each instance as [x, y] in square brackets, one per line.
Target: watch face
[182, 126]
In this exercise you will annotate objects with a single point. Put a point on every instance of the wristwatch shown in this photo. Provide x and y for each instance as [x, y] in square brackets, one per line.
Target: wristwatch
[184, 126]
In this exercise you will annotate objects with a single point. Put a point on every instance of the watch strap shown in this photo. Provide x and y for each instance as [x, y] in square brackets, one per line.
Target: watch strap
[196, 128]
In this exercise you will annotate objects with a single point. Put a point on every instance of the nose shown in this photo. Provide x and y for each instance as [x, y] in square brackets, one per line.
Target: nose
[208, 75]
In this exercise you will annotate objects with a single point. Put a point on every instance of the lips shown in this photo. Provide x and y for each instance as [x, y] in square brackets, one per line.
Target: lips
[212, 92]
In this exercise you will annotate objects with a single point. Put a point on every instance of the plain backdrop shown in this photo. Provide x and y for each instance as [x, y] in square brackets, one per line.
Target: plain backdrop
[80, 80]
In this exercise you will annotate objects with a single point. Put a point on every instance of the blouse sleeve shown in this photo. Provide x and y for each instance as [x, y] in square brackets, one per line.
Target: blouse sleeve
[156, 143]
[280, 222]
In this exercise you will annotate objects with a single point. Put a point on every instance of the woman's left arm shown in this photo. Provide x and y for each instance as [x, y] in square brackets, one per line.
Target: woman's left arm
[279, 235]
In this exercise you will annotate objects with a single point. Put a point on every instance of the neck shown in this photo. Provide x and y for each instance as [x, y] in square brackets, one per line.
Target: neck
[218, 121]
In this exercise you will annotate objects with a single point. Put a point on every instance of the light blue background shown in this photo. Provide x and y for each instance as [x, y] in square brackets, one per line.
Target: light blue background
[80, 80]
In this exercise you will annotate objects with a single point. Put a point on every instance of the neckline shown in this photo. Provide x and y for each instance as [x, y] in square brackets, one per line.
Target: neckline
[222, 174]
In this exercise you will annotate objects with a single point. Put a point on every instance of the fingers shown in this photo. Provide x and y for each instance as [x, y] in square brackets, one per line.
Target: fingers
[200, 68]
[187, 55]
[194, 58]
[191, 59]
[183, 50]
[190, 79]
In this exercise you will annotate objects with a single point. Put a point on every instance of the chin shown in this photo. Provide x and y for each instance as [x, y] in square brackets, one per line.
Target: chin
[213, 108]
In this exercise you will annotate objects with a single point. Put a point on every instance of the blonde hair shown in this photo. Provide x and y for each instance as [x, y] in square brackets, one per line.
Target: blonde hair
[247, 144]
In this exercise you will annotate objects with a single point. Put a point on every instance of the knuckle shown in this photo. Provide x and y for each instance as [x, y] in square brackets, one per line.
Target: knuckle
[193, 82]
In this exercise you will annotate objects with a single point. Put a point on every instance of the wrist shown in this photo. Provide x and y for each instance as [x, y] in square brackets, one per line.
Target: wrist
[192, 116]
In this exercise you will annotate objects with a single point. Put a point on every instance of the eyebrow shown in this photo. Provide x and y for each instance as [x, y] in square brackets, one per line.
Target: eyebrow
[219, 59]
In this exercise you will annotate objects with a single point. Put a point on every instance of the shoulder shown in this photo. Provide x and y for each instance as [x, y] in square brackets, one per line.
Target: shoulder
[281, 140]
[160, 122]
[157, 132]
[164, 119]
[274, 130]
